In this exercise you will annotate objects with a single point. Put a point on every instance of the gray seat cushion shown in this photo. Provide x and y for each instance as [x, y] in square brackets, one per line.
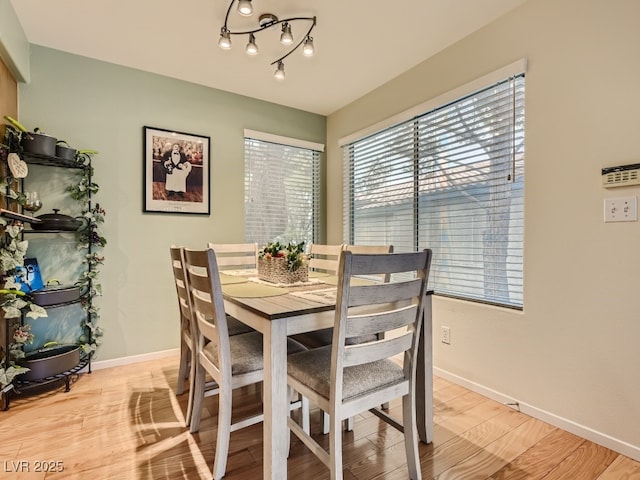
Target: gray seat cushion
[246, 352]
[324, 337]
[236, 327]
[313, 368]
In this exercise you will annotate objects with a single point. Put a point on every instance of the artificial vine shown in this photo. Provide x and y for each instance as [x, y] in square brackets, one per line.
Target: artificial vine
[89, 238]
[14, 303]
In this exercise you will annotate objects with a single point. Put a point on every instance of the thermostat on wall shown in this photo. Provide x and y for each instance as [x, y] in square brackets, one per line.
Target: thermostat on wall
[621, 176]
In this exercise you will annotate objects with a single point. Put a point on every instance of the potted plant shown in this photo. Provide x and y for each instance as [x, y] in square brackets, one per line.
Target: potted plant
[283, 263]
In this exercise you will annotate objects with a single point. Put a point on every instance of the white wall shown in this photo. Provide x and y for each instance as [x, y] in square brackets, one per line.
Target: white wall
[571, 355]
[96, 105]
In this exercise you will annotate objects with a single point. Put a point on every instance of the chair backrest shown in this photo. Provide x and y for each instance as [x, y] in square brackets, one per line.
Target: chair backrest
[373, 309]
[208, 307]
[324, 258]
[372, 249]
[369, 248]
[182, 289]
[236, 256]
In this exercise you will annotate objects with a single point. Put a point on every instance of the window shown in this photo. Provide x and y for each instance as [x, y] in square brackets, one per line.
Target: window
[450, 179]
[281, 189]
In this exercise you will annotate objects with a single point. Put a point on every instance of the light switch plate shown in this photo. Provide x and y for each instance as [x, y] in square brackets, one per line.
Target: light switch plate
[621, 209]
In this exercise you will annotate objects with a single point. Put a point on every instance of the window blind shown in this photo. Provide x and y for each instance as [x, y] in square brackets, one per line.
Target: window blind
[282, 188]
[450, 179]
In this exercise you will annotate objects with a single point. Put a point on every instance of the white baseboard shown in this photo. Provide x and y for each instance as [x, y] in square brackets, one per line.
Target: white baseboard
[118, 362]
[631, 451]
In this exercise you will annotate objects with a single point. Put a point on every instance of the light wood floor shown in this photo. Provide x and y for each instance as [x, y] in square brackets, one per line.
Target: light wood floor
[126, 423]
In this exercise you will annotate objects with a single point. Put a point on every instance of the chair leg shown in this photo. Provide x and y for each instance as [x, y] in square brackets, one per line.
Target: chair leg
[198, 398]
[224, 433]
[348, 423]
[411, 437]
[185, 353]
[335, 449]
[192, 387]
[304, 411]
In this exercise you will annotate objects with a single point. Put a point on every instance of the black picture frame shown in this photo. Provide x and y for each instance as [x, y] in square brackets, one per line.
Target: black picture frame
[176, 181]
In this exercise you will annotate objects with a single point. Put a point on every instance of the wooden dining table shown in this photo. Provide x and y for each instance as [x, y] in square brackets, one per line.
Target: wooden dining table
[280, 311]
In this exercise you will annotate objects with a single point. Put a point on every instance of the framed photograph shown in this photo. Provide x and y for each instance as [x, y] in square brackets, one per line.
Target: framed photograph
[176, 172]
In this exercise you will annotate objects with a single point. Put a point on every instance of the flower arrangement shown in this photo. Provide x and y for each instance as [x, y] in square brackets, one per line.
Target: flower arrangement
[283, 263]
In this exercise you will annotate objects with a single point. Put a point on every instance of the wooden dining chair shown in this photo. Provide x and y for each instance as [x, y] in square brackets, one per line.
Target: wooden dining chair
[324, 337]
[371, 249]
[186, 368]
[346, 379]
[324, 258]
[321, 338]
[232, 361]
[236, 256]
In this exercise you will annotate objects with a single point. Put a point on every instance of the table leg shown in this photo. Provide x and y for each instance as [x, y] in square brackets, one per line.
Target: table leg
[276, 401]
[424, 376]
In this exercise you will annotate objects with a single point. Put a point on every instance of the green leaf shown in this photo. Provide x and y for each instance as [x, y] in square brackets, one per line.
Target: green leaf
[7, 376]
[36, 311]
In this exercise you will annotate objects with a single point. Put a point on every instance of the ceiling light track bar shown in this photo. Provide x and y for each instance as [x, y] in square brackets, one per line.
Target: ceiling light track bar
[271, 24]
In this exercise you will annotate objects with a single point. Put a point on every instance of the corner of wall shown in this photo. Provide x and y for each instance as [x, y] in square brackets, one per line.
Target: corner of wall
[14, 46]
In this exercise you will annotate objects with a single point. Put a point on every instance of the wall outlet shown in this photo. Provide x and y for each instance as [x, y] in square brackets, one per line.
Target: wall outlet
[621, 209]
[445, 335]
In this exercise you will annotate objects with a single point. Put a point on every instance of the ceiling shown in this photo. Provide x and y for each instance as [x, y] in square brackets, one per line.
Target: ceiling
[360, 44]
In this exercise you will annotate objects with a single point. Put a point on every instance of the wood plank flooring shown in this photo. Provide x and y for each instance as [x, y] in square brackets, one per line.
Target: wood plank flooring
[126, 423]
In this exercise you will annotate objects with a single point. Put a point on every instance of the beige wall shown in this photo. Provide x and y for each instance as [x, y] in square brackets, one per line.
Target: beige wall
[570, 356]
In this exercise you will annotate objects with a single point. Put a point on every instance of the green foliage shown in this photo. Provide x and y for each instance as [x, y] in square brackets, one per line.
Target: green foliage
[293, 252]
[84, 187]
[8, 374]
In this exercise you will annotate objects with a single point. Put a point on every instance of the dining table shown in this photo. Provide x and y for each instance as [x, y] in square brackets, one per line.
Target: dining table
[278, 311]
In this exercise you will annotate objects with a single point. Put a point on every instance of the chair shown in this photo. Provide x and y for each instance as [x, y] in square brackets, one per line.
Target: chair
[321, 338]
[324, 337]
[236, 256]
[232, 361]
[344, 379]
[324, 258]
[371, 249]
[186, 369]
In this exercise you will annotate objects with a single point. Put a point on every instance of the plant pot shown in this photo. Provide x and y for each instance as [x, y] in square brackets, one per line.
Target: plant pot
[50, 361]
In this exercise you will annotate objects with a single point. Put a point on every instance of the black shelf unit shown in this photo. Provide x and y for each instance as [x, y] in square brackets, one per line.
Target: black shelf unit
[81, 162]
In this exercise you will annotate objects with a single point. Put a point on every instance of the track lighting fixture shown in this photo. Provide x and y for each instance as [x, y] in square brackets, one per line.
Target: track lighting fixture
[286, 38]
[252, 48]
[245, 8]
[266, 21]
[279, 73]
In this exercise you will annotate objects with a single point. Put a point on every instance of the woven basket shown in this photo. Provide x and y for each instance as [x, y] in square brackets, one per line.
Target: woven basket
[275, 270]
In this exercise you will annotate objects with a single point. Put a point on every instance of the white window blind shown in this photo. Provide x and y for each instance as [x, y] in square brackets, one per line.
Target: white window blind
[282, 189]
[450, 179]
